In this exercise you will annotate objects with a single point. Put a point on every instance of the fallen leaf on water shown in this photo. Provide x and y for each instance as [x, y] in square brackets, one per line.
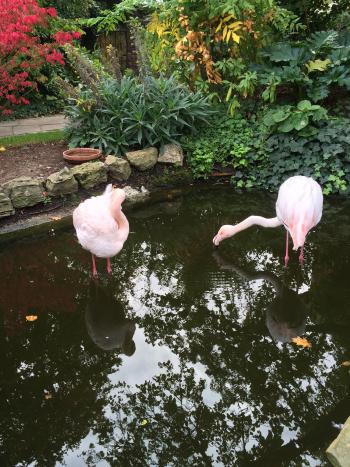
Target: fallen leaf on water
[301, 341]
[55, 218]
[346, 363]
[144, 422]
[31, 317]
[2, 148]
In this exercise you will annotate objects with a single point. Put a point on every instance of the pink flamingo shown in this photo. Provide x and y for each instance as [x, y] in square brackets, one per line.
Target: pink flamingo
[101, 226]
[298, 208]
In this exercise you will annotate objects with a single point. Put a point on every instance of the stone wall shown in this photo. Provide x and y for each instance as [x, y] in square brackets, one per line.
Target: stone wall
[25, 192]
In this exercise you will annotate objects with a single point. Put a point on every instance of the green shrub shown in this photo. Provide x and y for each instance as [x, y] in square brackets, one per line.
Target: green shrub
[312, 68]
[118, 115]
[324, 156]
[225, 143]
[264, 162]
[287, 118]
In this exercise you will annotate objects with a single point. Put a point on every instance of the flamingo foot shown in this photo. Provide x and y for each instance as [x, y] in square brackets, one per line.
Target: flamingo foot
[94, 270]
[109, 269]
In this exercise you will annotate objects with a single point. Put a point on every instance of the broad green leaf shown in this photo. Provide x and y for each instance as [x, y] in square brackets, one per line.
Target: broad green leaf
[304, 105]
[280, 115]
[317, 65]
[300, 121]
[286, 126]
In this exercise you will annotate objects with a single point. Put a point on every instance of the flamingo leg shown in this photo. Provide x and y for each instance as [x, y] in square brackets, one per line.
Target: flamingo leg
[94, 270]
[286, 258]
[109, 269]
[301, 256]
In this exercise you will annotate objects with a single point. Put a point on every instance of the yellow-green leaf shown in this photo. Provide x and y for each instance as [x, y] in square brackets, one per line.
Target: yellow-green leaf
[236, 37]
[218, 27]
[318, 65]
[227, 18]
[235, 26]
[144, 422]
[229, 93]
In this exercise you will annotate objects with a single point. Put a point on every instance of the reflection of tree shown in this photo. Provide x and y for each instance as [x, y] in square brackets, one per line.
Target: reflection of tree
[51, 373]
[235, 392]
[218, 320]
[285, 314]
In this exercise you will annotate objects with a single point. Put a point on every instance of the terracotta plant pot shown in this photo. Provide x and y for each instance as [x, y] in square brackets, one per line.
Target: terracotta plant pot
[79, 155]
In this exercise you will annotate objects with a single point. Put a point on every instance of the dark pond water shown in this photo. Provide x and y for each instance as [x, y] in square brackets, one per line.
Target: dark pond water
[183, 357]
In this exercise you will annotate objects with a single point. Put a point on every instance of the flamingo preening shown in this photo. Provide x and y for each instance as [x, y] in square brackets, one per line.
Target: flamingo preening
[298, 208]
[101, 226]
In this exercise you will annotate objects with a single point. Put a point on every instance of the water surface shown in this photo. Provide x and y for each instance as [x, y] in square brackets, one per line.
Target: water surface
[184, 356]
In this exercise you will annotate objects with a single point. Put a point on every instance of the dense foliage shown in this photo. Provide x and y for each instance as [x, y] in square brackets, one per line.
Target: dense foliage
[260, 160]
[318, 14]
[71, 9]
[117, 115]
[312, 68]
[108, 20]
[225, 143]
[23, 52]
[211, 43]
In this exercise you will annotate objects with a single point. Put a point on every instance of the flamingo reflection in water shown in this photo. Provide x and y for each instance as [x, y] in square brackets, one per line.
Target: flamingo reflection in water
[106, 322]
[285, 314]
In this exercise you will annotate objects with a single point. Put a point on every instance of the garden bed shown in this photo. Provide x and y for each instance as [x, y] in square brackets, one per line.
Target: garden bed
[32, 160]
[42, 160]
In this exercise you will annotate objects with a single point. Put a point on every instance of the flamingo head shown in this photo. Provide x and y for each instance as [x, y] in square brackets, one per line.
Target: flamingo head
[224, 232]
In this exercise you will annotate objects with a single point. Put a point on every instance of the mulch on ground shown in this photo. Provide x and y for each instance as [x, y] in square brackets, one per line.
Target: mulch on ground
[33, 160]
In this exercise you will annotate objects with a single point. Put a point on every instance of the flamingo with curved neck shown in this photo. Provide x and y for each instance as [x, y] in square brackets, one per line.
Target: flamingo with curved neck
[298, 207]
[101, 226]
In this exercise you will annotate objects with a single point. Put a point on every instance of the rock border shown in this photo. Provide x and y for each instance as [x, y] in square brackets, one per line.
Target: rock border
[23, 192]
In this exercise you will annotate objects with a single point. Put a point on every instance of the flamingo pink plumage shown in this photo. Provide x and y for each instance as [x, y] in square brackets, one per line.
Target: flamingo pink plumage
[101, 226]
[298, 207]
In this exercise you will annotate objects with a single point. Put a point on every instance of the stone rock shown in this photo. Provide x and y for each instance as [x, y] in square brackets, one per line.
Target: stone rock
[6, 208]
[338, 452]
[118, 168]
[90, 174]
[134, 196]
[171, 154]
[61, 183]
[144, 159]
[24, 191]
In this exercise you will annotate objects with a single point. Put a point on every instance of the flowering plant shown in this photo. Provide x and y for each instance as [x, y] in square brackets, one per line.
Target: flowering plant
[22, 52]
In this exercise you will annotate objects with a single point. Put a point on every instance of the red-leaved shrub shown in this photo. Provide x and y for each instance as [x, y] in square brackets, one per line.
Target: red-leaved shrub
[22, 52]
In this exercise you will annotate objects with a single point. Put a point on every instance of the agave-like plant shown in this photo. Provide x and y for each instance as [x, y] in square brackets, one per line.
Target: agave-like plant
[132, 113]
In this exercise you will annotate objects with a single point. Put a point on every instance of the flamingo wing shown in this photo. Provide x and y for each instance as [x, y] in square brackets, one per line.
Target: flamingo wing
[299, 206]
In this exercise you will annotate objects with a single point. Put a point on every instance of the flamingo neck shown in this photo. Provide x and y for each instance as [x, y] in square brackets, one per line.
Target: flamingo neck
[256, 220]
[121, 220]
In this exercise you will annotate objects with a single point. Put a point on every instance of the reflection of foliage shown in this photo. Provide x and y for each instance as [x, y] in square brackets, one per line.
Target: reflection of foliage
[231, 395]
[178, 422]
